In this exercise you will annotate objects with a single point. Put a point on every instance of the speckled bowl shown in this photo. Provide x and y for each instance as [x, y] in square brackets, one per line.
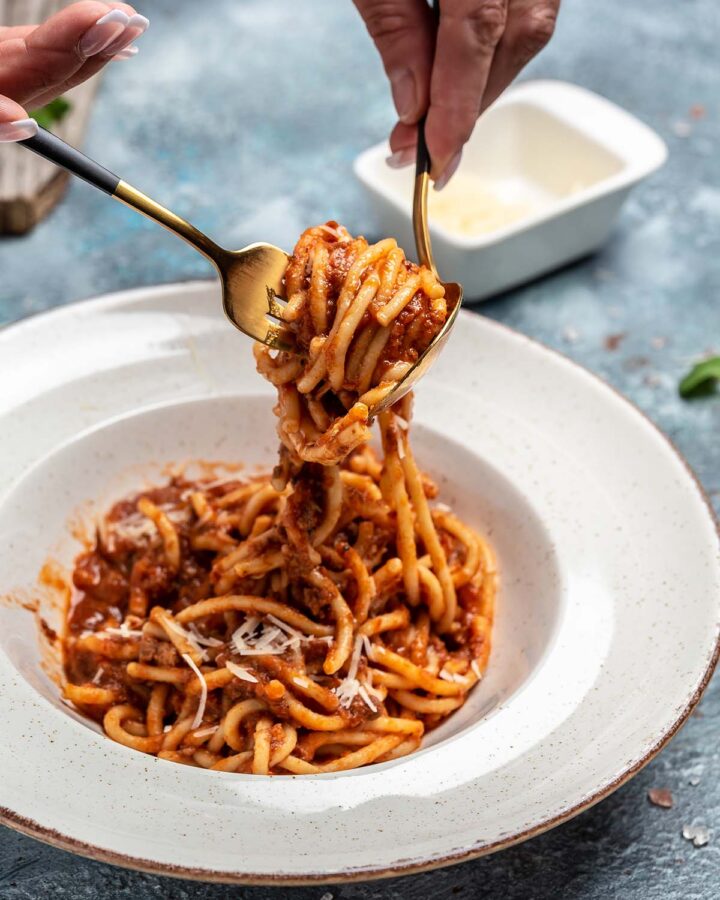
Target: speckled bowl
[607, 622]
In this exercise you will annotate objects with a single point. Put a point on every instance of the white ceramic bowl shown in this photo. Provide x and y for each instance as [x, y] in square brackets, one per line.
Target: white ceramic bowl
[562, 157]
[607, 619]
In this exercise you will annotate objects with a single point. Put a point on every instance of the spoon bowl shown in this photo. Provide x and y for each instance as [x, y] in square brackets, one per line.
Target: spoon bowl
[453, 290]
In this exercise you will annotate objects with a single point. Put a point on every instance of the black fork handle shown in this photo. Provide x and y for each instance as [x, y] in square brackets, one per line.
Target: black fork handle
[53, 148]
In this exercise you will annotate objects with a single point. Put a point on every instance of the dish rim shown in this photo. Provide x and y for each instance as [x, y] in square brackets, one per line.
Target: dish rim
[53, 837]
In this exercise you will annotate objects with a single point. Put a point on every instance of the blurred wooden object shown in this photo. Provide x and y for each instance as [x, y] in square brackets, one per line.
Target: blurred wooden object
[29, 185]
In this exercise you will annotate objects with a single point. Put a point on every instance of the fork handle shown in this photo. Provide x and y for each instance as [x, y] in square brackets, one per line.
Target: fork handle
[50, 146]
[54, 149]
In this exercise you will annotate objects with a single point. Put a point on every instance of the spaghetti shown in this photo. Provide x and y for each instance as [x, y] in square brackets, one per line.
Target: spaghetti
[316, 620]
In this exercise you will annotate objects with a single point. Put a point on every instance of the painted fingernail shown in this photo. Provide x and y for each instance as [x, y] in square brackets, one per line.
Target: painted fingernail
[136, 26]
[404, 94]
[127, 53]
[401, 158]
[19, 130]
[103, 32]
[448, 171]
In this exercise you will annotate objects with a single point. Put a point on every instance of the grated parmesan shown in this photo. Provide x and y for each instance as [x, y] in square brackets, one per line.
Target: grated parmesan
[203, 691]
[186, 635]
[134, 528]
[202, 640]
[368, 646]
[273, 637]
[351, 686]
[476, 669]
[123, 631]
[452, 676]
[207, 731]
[403, 423]
[240, 672]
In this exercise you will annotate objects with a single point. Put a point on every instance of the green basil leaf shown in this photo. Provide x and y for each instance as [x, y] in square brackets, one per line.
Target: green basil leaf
[701, 378]
[52, 113]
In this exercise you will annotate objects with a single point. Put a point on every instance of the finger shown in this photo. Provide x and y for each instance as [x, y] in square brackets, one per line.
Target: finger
[46, 59]
[14, 122]
[530, 25]
[15, 31]
[403, 146]
[120, 47]
[468, 34]
[404, 34]
[87, 70]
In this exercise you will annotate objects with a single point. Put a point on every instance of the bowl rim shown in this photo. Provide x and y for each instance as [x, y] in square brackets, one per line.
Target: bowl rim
[53, 837]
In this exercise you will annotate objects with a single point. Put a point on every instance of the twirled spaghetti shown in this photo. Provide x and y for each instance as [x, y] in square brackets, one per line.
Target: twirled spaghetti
[314, 621]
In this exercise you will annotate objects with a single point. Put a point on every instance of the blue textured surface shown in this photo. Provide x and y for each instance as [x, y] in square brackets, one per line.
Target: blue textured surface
[246, 119]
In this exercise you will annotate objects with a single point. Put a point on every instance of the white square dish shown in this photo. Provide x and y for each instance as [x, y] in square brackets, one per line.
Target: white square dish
[542, 180]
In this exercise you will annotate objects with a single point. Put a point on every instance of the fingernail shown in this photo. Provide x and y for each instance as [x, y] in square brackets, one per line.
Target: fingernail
[127, 53]
[136, 26]
[19, 130]
[448, 171]
[402, 84]
[103, 32]
[401, 158]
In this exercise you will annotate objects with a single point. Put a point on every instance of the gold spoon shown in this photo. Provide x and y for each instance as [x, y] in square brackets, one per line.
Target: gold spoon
[453, 291]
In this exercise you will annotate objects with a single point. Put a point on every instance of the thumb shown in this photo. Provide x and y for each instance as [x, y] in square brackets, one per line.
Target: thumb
[404, 34]
[14, 122]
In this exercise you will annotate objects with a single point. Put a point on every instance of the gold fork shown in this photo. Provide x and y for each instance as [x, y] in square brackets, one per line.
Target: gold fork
[251, 278]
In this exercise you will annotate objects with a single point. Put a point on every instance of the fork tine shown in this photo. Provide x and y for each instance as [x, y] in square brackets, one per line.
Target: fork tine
[278, 338]
[275, 307]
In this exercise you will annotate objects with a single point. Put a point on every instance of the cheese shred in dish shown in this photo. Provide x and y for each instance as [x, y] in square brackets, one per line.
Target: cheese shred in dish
[316, 619]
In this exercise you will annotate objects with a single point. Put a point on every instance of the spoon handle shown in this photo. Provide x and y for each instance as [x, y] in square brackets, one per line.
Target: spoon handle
[423, 164]
[54, 149]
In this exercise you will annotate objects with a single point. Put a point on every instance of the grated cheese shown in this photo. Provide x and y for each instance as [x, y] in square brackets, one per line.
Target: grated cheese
[273, 637]
[362, 690]
[207, 731]
[176, 516]
[403, 423]
[203, 691]
[401, 449]
[134, 528]
[476, 669]
[351, 686]
[355, 658]
[202, 640]
[123, 631]
[368, 646]
[184, 633]
[240, 672]
[451, 676]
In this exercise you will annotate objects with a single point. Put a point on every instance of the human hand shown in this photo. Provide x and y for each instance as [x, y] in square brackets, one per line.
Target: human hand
[40, 62]
[453, 71]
